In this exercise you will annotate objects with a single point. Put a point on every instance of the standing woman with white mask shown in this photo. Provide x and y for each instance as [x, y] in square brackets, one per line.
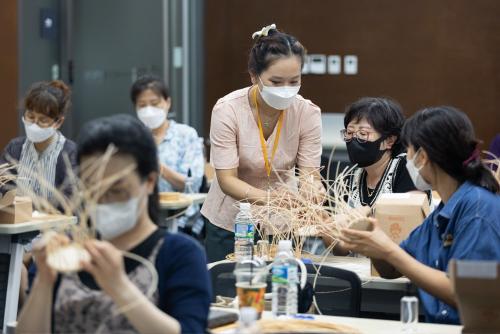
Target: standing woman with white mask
[258, 133]
[41, 152]
[180, 151]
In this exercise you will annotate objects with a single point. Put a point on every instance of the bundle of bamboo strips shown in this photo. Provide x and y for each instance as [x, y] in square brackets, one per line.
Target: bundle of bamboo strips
[65, 245]
[296, 213]
[493, 160]
[6, 174]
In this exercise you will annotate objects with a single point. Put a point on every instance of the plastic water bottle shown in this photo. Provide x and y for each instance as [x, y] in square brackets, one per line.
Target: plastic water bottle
[248, 321]
[285, 281]
[409, 314]
[243, 233]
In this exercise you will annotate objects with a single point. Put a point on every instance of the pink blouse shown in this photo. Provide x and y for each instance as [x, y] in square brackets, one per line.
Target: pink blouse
[234, 137]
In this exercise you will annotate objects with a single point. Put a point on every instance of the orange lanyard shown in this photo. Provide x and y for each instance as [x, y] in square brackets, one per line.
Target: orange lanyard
[261, 133]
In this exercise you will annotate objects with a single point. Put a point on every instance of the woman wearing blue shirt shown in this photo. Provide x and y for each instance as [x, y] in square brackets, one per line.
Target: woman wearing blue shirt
[443, 154]
[180, 150]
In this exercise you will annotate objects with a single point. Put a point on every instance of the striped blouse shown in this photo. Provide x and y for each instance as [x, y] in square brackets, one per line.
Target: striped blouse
[50, 165]
[37, 171]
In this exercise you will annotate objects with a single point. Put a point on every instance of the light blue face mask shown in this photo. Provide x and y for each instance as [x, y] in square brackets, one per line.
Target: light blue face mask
[415, 175]
[114, 219]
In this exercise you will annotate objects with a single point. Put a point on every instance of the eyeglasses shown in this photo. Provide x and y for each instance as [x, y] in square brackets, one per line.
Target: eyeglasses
[360, 135]
[43, 122]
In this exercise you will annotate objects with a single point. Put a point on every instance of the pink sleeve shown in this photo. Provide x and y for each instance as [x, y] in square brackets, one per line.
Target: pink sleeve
[309, 154]
[223, 137]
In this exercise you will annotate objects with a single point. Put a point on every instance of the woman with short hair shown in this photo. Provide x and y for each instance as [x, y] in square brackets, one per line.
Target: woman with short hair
[372, 135]
[41, 153]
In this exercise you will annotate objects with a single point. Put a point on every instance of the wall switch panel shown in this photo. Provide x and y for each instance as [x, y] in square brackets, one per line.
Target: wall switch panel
[334, 64]
[350, 65]
[317, 64]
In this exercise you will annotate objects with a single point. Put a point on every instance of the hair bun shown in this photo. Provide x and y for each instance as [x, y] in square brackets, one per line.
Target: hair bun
[59, 84]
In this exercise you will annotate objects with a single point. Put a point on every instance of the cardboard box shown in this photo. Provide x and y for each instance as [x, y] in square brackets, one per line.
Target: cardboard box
[399, 214]
[476, 286]
[15, 209]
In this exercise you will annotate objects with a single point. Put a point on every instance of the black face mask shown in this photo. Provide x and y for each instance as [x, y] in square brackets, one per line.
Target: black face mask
[365, 154]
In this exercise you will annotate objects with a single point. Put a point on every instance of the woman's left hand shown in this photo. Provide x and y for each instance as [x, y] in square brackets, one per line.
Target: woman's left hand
[106, 266]
[374, 244]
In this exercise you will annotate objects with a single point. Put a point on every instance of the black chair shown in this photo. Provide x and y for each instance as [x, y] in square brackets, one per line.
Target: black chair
[223, 280]
[339, 162]
[337, 291]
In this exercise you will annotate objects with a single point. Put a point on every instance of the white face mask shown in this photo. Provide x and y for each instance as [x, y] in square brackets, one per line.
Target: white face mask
[152, 117]
[279, 97]
[37, 134]
[414, 172]
[114, 219]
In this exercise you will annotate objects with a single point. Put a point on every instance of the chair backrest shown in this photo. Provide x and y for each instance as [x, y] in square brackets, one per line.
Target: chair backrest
[337, 165]
[223, 280]
[337, 291]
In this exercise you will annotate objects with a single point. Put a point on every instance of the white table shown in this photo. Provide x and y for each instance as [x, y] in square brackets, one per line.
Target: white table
[195, 199]
[12, 239]
[373, 326]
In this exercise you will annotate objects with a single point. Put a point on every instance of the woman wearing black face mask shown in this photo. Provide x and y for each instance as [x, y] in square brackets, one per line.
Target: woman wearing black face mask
[372, 129]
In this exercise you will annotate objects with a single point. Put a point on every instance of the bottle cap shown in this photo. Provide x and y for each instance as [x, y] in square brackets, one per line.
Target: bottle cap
[244, 206]
[285, 246]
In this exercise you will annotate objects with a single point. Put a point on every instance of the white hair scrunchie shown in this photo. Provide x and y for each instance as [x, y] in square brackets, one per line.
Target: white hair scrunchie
[264, 31]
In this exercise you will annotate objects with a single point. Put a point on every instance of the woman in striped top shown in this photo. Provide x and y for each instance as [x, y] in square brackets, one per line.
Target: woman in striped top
[41, 153]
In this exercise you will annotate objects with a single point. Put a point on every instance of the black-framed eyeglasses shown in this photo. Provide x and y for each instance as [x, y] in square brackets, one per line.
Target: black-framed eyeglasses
[361, 136]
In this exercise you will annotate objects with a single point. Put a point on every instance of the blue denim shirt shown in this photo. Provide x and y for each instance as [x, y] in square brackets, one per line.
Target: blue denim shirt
[466, 227]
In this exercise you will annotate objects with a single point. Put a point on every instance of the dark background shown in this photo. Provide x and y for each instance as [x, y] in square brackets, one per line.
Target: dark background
[421, 53]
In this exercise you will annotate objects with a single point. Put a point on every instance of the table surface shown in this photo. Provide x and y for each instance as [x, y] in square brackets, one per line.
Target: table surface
[372, 326]
[38, 222]
[361, 266]
[196, 199]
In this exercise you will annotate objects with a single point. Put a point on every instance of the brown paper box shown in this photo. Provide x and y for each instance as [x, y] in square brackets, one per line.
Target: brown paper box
[399, 214]
[15, 209]
[477, 287]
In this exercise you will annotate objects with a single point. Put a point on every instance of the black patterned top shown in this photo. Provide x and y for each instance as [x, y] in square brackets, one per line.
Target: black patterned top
[394, 180]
